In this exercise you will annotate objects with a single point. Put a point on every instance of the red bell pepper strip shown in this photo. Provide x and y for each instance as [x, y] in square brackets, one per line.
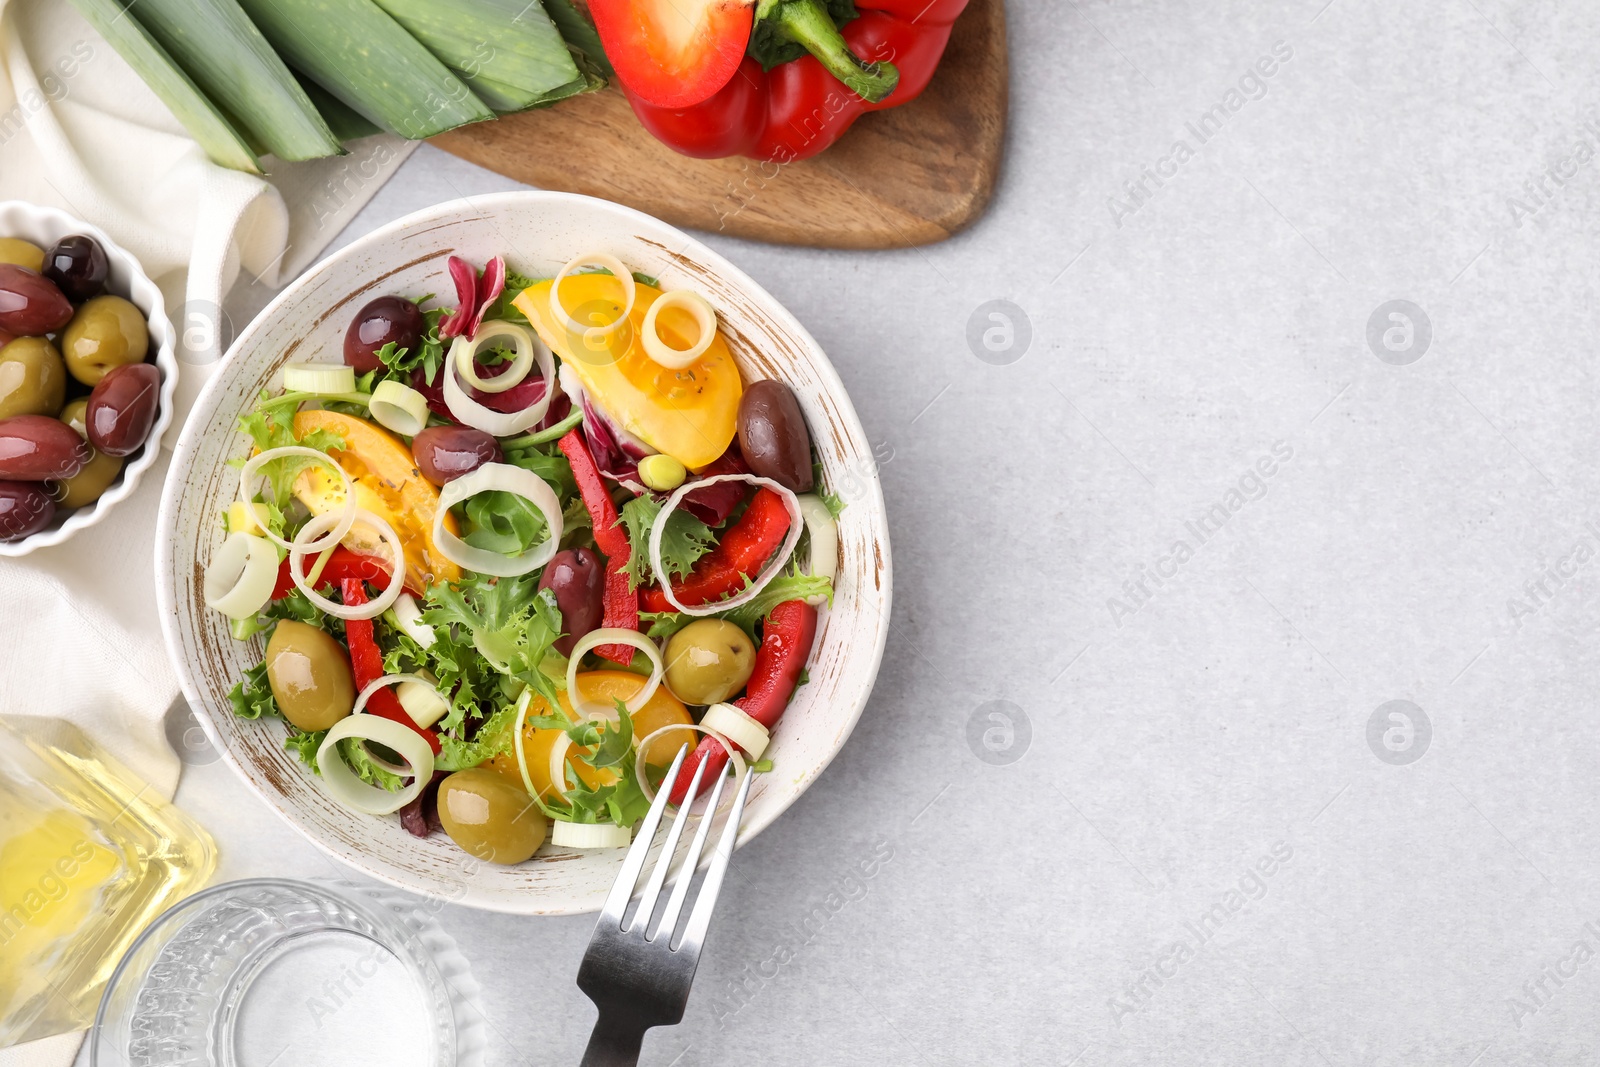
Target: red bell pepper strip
[621, 600]
[786, 641]
[797, 109]
[366, 663]
[342, 564]
[738, 555]
[674, 53]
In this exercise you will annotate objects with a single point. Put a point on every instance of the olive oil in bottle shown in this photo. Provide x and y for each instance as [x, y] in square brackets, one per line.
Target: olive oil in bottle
[88, 857]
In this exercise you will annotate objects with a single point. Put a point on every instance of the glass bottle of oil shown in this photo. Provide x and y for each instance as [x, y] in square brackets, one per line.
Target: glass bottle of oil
[88, 857]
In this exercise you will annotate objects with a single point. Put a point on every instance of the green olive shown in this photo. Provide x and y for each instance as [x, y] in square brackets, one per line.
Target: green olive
[96, 476]
[22, 253]
[74, 415]
[310, 676]
[708, 661]
[489, 817]
[106, 332]
[33, 380]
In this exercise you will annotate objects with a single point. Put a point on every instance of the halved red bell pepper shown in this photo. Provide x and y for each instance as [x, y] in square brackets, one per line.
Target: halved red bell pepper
[342, 563]
[366, 664]
[786, 639]
[621, 600]
[794, 110]
[674, 53]
[737, 557]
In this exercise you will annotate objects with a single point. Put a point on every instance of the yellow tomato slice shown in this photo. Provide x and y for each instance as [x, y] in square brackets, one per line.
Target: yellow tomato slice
[601, 687]
[689, 414]
[388, 484]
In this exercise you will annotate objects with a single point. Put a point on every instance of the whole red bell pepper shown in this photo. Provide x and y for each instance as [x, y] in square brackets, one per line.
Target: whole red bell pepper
[621, 600]
[786, 639]
[793, 110]
[366, 664]
[738, 556]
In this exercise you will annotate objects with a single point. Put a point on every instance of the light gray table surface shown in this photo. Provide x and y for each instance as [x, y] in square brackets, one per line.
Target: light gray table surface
[1191, 659]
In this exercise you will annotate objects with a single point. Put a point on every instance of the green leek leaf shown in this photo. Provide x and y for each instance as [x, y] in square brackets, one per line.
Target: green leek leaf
[508, 50]
[353, 49]
[204, 121]
[221, 49]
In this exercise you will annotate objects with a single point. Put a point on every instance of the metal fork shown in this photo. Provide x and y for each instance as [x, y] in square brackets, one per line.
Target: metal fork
[632, 971]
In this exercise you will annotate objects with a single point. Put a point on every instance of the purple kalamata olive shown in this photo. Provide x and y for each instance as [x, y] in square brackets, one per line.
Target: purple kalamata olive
[34, 448]
[773, 435]
[25, 508]
[445, 453]
[77, 264]
[386, 320]
[122, 408]
[578, 579]
[30, 305]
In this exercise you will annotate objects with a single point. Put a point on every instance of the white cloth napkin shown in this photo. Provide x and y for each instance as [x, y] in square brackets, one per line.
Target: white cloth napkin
[79, 637]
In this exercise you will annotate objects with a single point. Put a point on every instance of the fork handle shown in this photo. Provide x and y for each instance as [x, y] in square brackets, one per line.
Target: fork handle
[613, 1044]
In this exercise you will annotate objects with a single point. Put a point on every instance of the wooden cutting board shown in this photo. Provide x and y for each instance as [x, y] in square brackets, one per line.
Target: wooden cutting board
[911, 175]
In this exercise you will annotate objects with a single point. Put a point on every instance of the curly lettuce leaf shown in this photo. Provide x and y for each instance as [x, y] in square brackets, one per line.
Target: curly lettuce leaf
[251, 696]
[273, 427]
[511, 623]
[684, 540]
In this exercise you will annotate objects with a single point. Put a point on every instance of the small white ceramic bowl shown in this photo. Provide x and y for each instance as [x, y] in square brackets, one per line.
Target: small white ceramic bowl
[537, 232]
[44, 226]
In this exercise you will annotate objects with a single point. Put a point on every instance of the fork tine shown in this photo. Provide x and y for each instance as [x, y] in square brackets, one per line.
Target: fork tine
[691, 860]
[652, 888]
[694, 934]
[639, 851]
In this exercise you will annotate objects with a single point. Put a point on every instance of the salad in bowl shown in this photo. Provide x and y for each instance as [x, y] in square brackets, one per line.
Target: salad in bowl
[490, 562]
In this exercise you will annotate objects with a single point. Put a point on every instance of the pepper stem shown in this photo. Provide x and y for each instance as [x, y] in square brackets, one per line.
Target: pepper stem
[807, 23]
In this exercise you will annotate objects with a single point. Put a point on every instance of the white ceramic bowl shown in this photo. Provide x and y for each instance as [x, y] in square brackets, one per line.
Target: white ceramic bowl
[44, 226]
[537, 232]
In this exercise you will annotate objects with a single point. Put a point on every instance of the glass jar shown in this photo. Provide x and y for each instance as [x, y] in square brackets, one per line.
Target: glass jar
[88, 857]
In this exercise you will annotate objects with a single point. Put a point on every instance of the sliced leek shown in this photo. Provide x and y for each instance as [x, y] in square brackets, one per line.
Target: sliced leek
[565, 834]
[505, 478]
[350, 790]
[227, 57]
[353, 49]
[241, 575]
[323, 379]
[400, 408]
[409, 617]
[217, 136]
[422, 701]
[734, 723]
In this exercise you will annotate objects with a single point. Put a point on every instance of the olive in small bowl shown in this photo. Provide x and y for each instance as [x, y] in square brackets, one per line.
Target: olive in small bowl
[37, 448]
[489, 817]
[30, 305]
[21, 253]
[25, 509]
[105, 333]
[122, 408]
[709, 661]
[33, 379]
[96, 477]
[77, 264]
